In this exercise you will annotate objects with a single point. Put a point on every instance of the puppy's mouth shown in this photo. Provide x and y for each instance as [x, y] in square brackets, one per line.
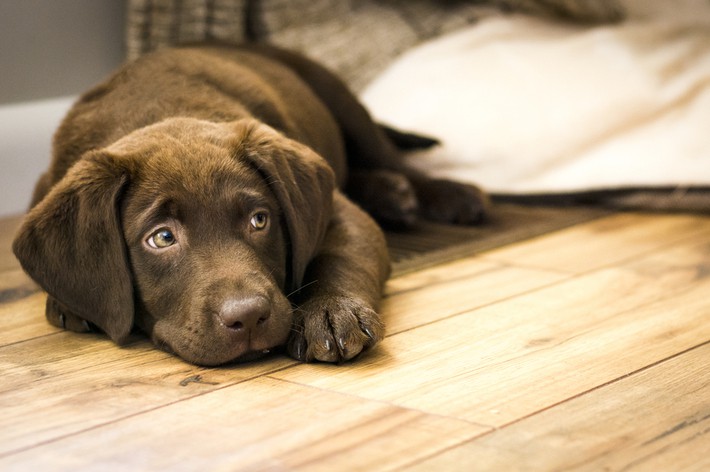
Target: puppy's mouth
[251, 356]
[207, 353]
[214, 343]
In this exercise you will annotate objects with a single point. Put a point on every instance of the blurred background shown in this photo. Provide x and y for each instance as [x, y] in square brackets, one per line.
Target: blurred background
[50, 51]
[603, 101]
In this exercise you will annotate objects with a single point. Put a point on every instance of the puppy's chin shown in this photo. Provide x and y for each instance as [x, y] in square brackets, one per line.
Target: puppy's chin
[210, 353]
[214, 358]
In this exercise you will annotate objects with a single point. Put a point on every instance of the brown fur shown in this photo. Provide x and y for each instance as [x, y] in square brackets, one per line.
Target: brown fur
[238, 153]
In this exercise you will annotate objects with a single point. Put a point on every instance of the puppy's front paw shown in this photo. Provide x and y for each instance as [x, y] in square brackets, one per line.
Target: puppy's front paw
[58, 316]
[446, 201]
[334, 329]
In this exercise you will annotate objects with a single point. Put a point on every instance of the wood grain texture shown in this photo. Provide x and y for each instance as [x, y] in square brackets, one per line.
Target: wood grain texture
[521, 355]
[601, 242]
[81, 381]
[657, 419]
[237, 428]
[443, 298]
[8, 227]
[584, 349]
[23, 319]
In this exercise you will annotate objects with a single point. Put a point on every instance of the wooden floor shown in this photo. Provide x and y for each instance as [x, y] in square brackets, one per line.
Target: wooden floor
[584, 349]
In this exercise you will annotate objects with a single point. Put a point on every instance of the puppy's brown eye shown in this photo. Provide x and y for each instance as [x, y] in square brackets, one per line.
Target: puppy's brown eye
[161, 239]
[259, 220]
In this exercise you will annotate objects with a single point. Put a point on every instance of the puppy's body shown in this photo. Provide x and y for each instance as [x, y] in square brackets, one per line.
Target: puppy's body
[213, 84]
[194, 194]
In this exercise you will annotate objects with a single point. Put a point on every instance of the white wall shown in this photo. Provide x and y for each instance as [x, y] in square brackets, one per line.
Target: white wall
[50, 51]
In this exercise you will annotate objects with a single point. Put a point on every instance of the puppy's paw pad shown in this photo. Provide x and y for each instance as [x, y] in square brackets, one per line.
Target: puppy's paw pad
[334, 329]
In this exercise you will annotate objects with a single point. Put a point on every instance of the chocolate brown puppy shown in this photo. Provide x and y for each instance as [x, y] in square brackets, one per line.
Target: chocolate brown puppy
[196, 195]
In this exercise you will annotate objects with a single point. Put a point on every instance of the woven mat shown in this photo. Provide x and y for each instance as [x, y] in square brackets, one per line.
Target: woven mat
[431, 244]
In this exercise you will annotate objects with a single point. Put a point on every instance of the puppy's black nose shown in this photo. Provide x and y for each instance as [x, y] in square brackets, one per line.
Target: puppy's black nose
[244, 313]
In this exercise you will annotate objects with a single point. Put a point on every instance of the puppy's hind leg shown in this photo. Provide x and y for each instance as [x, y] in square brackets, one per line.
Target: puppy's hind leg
[440, 200]
[394, 197]
[447, 201]
[372, 148]
[388, 196]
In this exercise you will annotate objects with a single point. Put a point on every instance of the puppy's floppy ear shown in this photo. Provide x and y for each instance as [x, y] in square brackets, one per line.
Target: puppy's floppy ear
[72, 244]
[303, 183]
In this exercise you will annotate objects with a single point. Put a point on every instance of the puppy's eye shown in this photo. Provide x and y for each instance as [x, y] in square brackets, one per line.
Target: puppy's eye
[161, 239]
[259, 220]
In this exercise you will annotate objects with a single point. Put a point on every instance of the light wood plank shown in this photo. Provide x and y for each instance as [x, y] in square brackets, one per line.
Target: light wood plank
[601, 242]
[458, 269]
[21, 300]
[66, 383]
[564, 358]
[256, 425]
[654, 420]
[457, 292]
[497, 364]
[22, 319]
[8, 227]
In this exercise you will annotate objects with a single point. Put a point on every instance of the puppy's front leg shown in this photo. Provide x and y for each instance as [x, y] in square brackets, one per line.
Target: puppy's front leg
[336, 317]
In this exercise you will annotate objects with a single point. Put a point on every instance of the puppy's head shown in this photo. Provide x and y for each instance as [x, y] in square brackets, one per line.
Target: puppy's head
[191, 230]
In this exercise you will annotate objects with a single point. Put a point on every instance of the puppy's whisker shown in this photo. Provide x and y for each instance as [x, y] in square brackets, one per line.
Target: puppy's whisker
[296, 330]
[302, 287]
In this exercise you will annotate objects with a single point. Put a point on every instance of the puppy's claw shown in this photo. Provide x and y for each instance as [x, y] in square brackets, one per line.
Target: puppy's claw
[343, 347]
[337, 329]
[297, 348]
[298, 353]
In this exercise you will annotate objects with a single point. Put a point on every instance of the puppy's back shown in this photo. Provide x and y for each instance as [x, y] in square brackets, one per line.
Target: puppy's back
[210, 83]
